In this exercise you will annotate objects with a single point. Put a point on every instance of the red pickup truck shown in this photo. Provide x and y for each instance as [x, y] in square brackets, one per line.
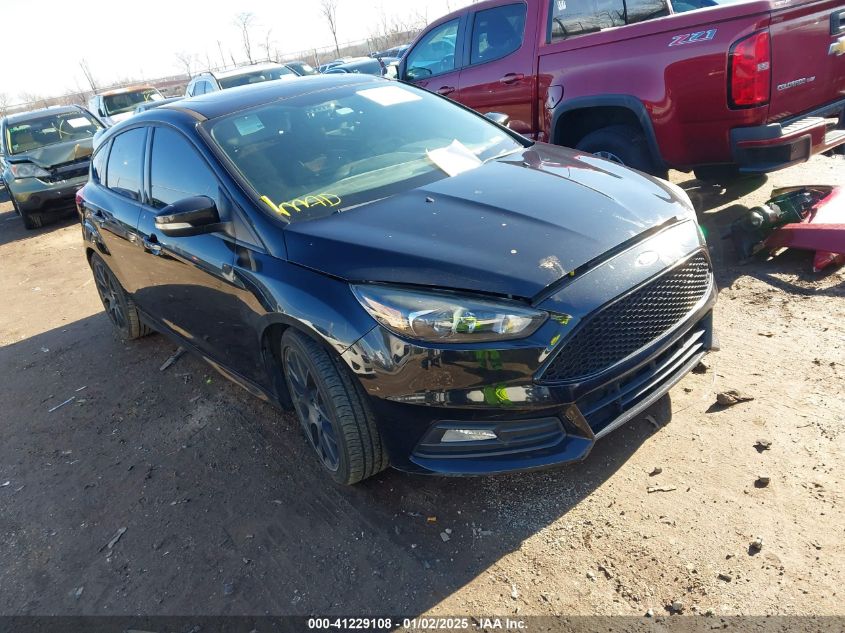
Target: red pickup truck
[715, 86]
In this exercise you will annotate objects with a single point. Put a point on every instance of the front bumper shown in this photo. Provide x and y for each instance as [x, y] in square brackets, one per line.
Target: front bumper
[36, 196]
[418, 394]
[767, 148]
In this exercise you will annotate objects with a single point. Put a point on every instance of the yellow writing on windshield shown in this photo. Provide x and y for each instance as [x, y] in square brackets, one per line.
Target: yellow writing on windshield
[270, 204]
[327, 200]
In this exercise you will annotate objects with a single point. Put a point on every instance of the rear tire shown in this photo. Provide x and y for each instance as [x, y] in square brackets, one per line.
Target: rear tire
[623, 144]
[118, 304]
[333, 410]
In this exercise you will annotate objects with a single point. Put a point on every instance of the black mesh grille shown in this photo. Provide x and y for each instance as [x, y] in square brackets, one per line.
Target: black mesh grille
[632, 323]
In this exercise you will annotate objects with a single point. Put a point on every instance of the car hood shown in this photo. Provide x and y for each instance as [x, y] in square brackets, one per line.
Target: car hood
[511, 226]
[57, 154]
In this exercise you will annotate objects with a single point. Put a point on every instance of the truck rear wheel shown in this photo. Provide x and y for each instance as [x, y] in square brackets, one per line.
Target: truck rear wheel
[622, 144]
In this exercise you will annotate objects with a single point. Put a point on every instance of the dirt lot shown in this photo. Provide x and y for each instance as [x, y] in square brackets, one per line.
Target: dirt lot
[225, 512]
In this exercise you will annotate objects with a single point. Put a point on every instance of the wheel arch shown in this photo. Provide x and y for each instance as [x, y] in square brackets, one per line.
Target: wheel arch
[273, 328]
[572, 120]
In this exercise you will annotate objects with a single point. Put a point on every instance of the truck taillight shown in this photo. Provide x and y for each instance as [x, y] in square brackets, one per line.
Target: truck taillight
[750, 70]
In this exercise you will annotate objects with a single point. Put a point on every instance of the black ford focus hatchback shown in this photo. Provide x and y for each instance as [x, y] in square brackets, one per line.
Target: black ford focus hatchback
[423, 287]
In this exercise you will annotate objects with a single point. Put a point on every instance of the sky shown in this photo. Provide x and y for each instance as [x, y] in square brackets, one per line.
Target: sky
[141, 40]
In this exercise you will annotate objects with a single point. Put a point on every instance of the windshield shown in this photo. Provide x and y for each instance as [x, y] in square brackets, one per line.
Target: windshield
[25, 136]
[321, 153]
[128, 101]
[255, 77]
[302, 68]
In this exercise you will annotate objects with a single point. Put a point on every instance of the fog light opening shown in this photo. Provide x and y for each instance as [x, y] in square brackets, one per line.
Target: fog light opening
[467, 435]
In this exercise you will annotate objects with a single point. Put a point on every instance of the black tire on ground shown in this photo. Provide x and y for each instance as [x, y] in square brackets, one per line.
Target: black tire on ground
[333, 410]
[622, 144]
[720, 174]
[118, 304]
[30, 220]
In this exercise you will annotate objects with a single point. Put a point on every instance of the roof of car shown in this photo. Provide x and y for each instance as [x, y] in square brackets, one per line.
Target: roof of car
[120, 91]
[222, 102]
[34, 114]
[240, 70]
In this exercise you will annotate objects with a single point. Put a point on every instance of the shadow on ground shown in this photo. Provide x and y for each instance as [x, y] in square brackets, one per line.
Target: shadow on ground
[11, 225]
[225, 510]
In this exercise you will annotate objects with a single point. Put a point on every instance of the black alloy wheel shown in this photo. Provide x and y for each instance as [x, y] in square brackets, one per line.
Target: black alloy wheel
[333, 410]
[118, 305]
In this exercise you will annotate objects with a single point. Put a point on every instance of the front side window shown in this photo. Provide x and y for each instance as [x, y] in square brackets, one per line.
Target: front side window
[321, 153]
[497, 32]
[177, 171]
[125, 161]
[255, 77]
[128, 101]
[38, 132]
[435, 54]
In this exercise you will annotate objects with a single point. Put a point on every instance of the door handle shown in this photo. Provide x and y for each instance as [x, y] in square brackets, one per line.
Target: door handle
[151, 245]
[511, 78]
[445, 90]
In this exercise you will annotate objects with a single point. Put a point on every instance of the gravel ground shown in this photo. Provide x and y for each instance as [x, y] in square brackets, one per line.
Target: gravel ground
[178, 493]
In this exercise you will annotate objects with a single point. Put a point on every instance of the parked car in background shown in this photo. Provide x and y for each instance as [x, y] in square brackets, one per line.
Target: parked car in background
[303, 69]
[45, 156]
[113, 106]
[363, 66]
[446, 296]
[396, 51]
[213, 81]
[156, 104]
[336, 62]
[715, 86]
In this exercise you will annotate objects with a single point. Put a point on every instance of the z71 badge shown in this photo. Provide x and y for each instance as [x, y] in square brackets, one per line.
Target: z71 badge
[692, 38]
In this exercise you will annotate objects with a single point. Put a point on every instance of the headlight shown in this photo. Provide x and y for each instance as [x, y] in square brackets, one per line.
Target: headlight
[27, 170]
[447, 318]
[683, 196]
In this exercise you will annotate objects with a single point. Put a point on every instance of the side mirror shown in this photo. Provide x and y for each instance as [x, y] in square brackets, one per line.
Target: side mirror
[416, 73]
[190, 216]
[498, 117]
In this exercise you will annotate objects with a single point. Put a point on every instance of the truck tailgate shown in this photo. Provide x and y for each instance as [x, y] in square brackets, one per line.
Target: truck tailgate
[808, 57]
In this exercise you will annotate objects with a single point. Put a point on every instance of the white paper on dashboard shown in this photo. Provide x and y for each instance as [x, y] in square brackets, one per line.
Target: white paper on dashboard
[454, 159]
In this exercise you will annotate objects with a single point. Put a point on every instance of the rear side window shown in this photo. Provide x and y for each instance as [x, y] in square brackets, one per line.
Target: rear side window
[125, 162]
[577, 17]
[98, 162]
[497, 32]
[642, 10]
[177, 171]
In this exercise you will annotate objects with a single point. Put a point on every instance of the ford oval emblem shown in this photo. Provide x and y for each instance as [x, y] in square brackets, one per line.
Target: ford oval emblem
[647, 258]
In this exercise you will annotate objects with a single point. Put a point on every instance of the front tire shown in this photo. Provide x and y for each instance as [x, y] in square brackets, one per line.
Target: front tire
[31, 221]
[333, 411]
[118, 304]
[623, 144]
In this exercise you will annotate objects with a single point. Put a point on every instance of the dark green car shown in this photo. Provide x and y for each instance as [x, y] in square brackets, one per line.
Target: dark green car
[44, 157]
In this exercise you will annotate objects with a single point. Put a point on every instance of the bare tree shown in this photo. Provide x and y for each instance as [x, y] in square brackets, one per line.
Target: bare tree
[222, 56]
[186, 60]
[86, 70]
[267, 45]
[329, 10]
[4, 103]
[244, 22]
